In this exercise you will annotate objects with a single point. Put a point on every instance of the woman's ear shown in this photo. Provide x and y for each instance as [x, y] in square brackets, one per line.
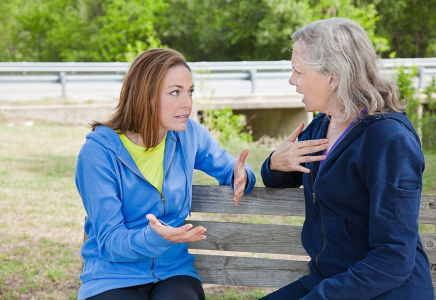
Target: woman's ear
[333, 81]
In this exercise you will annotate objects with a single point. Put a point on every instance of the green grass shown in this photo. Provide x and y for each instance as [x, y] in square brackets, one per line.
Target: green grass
[41, 213]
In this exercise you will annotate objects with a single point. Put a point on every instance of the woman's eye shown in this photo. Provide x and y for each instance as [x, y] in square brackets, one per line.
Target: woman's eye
[175, 93]
[191, 92]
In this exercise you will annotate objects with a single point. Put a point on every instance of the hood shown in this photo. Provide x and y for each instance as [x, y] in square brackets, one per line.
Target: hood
[109, 139]
[399, 117]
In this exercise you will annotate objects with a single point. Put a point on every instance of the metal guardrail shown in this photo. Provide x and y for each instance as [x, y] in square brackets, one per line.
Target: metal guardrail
[64, 72]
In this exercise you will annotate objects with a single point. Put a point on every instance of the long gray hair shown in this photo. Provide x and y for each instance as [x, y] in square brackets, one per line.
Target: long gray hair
[341, 47]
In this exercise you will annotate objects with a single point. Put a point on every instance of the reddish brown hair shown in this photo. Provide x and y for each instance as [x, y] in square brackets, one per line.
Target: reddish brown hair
[139, 107]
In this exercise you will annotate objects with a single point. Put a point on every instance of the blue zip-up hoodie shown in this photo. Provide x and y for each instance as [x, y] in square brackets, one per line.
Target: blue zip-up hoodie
[122, 249]
[362, 206]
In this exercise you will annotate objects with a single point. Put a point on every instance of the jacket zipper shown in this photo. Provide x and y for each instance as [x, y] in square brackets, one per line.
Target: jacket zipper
[152, 266]
[141, 176]
[165, 175]
[160, 193]
[320, 208]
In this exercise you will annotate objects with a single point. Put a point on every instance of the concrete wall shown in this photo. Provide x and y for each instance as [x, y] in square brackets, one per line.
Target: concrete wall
[274, 122]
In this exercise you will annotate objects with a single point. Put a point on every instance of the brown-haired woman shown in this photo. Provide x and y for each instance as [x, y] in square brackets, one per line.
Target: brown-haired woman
[134, 174]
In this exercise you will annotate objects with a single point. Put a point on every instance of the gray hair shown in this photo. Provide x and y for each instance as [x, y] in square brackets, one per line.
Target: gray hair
[341, 47]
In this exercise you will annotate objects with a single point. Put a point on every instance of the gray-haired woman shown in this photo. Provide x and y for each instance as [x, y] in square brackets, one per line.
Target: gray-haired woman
[361, 164]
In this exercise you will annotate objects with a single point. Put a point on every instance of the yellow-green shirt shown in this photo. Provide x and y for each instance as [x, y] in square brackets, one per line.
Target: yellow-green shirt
[150, 163]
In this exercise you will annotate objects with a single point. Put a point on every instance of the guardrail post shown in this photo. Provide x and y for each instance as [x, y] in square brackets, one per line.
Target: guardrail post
[421, 77]
[253, 80]
[63, 83]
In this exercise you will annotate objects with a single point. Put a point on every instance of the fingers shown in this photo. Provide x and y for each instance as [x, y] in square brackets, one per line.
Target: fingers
[243, 155]
[183, 234]
[240, 177]
[154, 223]
[237, 194]
[195, 234]
[293, 136]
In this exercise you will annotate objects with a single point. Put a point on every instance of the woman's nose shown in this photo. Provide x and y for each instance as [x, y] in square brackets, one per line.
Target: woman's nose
[187, 101]
[292, 79]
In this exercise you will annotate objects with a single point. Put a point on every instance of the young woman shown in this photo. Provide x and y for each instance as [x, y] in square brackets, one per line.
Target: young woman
[360, 163]
[134, 174]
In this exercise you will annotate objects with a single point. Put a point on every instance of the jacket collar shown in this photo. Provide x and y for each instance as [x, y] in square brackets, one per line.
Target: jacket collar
[110, 139]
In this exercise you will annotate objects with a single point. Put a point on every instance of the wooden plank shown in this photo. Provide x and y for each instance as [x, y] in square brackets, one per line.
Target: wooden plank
[261, 238]
[427, 210]
[261, 201]
[429, 243]
[269, 201]
[247, 271]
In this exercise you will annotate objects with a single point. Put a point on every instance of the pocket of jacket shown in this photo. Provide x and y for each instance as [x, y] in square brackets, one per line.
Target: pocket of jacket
[407, 197]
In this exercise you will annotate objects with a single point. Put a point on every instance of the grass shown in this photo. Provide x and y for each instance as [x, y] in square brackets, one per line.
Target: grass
[41, 214]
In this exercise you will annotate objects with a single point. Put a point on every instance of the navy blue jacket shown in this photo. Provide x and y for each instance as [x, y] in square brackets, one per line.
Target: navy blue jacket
[362, 206]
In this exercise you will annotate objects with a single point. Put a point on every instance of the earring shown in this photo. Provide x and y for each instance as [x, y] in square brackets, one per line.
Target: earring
[330, 87]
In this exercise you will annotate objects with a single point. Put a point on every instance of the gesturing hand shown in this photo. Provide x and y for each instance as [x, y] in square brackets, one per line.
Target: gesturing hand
[240, 177]
[181, 234]
[291, 154]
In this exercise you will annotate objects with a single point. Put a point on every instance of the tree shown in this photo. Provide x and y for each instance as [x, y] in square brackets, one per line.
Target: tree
[409, 25]
[212, 30]
[81, 30]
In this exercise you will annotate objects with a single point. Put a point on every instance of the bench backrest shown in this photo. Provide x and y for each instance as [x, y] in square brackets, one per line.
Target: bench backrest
[275, 240]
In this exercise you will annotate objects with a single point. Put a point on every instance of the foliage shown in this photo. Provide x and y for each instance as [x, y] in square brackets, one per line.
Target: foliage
[203, 30]
[408, 93]
[422, 116]
[409, 26]
[210, 30]
[252, 30]
[226, 126]
[364, 14]
[429, 118]
[78, 30]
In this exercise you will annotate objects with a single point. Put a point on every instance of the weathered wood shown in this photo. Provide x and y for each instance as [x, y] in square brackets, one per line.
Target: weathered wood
[429, 243]
[261, 201]
[427, 210]
[264, 238]
[247, 271]
[261, 238]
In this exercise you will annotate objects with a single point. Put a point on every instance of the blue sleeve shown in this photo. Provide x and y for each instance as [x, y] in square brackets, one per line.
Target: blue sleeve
[215, 161]
[394, 179]
[98, 186]
[279, 179]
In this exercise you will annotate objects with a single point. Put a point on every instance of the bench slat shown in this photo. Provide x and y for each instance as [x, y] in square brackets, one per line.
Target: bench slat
[261, 201]
[429, 243]
[268, 201]
[261, 238]
[427, 210]
[247, 271]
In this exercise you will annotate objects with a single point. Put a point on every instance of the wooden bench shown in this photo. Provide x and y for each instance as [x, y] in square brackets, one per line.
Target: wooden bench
[232, 269]
[220, 258]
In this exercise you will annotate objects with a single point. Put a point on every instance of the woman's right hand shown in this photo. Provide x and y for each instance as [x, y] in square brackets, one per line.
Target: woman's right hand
[181, 234]
[291, 154]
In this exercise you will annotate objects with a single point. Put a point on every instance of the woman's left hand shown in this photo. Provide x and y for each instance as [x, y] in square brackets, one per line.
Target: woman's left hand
[240, 177]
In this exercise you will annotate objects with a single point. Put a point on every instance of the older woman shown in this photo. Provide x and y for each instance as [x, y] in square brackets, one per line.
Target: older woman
[134, 174]
[361, 164]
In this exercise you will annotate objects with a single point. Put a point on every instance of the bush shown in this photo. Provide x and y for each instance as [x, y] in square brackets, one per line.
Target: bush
[425, 124]
[225, 126]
